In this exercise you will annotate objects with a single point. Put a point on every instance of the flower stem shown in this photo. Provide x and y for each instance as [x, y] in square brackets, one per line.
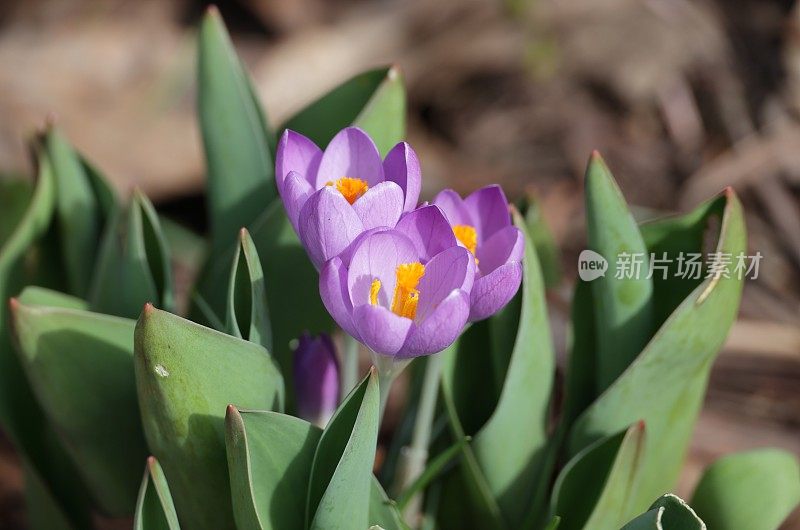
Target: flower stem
[413, 457]
[350, 364]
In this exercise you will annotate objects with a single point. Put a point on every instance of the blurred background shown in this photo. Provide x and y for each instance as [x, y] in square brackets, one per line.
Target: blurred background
[681, 97]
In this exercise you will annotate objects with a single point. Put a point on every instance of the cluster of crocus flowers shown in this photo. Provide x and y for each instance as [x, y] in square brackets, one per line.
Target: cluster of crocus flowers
[401, 279]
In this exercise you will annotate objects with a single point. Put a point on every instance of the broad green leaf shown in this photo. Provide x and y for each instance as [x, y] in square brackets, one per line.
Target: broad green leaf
[384, 512]
[666, 383]
[291, 283]
[669, 512]
[84, 204]
[40, 296]
[504, 481]
[21, 417]
[154, 507]
[756, 490]
[543, 242]
[80, 365]
[134, 264]
[623, 296]
[269, 459]
[247, 316]
[594, 488]
[236, 139]
[341, 475]
[374, 100]
[186, 376]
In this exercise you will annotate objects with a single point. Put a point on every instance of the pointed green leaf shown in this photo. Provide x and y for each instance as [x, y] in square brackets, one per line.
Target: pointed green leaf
[669, 512]
[543, 242]
[291, 283]
[248, 317]
[84, 204]
[40, 296]
[341, 475]
[269, 459]
[623, 301]
[374, 100]
[666, 383]
[518, 422]
[80, 365]
[756, 490]
[235, 136]
[154, 507]
[134, 263]
[593, 490]
[186, 376]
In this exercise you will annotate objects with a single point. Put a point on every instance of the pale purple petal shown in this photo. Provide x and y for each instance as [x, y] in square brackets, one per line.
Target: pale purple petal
[507, 244]
[297, 153]
[401, 165]
[316, 378]
[493, 291]
[296, 191]
[380, 329]
[335, 296]
[449, 270]
[428, 230]
[381, 205]
[352, 154]
[453, 207]
[488, 207]
[328, 224]
[439, 329]
[377, 257]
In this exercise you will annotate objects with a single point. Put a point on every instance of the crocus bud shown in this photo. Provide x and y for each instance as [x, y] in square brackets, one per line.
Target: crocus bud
[316, 378]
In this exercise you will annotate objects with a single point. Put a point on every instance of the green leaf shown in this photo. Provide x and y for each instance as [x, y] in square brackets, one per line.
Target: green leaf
[432, 470]
[186, 376]
[154, 507]
[247, 316]
[341, 475]
[43, 510]
[235, 136]
[291, 283]
[269, 459]
[543, 242]
[188, 249]
[84, 204]
[134, 264]
[374, 100]
[80, 365]
[383, 511]
[623, 305]
[666, 383]
[669, 512]
[503, 482]
[756, 490]
[593, 490]
[15, 195]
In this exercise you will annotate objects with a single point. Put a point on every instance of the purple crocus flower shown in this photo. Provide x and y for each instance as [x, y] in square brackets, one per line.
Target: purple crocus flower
[482, 224]
[316, 378]
[333, 196]
[403, 292]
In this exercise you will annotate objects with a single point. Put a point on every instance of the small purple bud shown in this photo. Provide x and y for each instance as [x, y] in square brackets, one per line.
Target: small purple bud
[316, 378]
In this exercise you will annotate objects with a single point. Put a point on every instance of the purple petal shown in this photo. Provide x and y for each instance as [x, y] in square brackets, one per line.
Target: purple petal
[352, 154]
[328, 224]
[296, 191]
[488, 207]
[316, 378]
[493, 291]
[429, 230]
[296, 153]
[449, 270]
[453, 207]
[380, 329]
[401, 165]
[381, 205]
[507, 244]
[377, 257]
[439, 329]
[335, 296]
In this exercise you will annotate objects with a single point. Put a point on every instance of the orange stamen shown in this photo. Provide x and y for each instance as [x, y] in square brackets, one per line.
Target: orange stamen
[350, 188]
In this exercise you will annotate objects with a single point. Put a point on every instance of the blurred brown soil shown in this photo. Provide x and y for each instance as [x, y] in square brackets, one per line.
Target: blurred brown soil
[682, 98]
